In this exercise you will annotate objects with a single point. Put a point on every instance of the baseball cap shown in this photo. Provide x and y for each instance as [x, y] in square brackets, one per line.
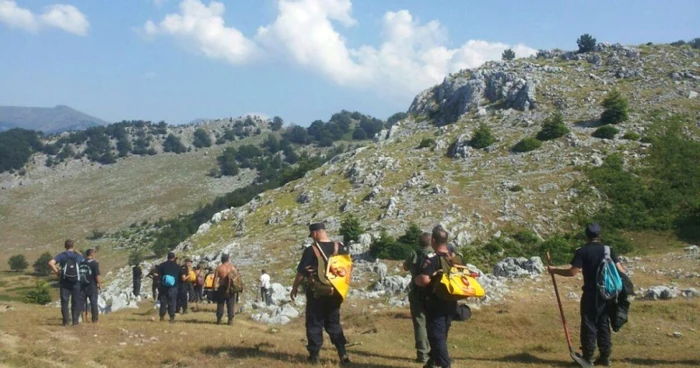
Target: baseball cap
[171, 255]
[316, 227]
[593, 230]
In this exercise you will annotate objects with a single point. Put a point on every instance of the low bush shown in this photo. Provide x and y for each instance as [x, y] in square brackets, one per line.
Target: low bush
[606, 132]
[426, 143]
[483, 137]
[526, 145]
[631, 136]
[39, 295]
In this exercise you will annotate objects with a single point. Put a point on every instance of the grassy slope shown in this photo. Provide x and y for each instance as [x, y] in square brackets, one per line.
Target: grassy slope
[523, 332]
[38, 217]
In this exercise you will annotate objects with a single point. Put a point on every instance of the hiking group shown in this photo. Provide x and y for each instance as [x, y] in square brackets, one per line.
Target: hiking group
[439, 280]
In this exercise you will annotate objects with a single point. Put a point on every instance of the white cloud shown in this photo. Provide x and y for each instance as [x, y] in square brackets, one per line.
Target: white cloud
[16, 17]
[411, 56]
[202, 28]
[65, 17]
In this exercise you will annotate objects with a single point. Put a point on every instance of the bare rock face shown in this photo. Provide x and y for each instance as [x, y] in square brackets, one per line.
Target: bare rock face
[464, 92]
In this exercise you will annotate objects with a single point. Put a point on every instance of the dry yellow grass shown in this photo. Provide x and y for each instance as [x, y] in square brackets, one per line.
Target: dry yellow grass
[525, 331]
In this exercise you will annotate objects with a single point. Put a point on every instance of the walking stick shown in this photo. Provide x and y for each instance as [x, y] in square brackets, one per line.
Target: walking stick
[577, 358]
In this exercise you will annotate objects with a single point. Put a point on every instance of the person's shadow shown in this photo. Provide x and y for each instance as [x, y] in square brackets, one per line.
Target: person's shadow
[259, 351]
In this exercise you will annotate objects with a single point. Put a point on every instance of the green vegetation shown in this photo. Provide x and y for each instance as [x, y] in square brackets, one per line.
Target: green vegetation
[41, 265]
[276, 123]
[631, 136]
[393, 119]
[616, 108]
[483, 137]
[350, 229]
[173, 144]
[527, 144]
[341, 126]
[201, 138]
[387, 247]
[553, 128]
[508, 55]
[135, 257]
[426, 143]
[586, 43]
[516, 188]
[606, 132]
[227, 162]
[39, 295]
[694, 43]
[16, 147]
[18, 263]
[664, 194]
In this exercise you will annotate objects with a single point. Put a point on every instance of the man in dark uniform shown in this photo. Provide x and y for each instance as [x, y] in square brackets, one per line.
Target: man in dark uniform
[168, 293]
[595, 320]
[438, 312]
[91, 289]
[322, 312]
[415, 297]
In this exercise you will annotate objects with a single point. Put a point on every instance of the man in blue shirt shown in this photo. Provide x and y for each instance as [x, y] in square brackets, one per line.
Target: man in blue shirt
[69, 276]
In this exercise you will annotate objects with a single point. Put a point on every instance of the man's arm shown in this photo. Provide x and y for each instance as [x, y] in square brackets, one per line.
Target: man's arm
[52, 264]
[422, 280]
[565, 272]
[295, 287]
[98, 276]
[620, 267]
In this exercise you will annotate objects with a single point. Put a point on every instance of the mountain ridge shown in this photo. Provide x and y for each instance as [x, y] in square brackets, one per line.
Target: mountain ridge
[49, 120]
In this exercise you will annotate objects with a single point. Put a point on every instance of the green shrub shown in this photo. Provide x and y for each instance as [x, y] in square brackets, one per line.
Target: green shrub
[631, 136]
[553, 128]
[516, 188]
[606, 132]
[508, 55]
[386, 247]
[173, 144]
[586, 43]
[350, 229]
[526, 145]
[135, 257]
[426, 143]
[411, 237]
[39, 295]
[201, 138]
[616, 108]
[18, 263]
[483, 137]
[41, 265]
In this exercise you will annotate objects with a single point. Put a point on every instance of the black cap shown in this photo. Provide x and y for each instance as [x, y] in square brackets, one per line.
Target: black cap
[171, 255]
[593, 230]
[316, 227]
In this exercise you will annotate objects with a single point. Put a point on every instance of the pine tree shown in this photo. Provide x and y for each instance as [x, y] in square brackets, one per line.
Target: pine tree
[586, 43]
[508, 55]
[616, 108]
[553, 128]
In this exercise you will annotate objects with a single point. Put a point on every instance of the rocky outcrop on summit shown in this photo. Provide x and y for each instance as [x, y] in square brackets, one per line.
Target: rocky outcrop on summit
[468, 90]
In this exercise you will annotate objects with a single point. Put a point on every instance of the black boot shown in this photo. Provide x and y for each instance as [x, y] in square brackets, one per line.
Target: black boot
[230, 321]
[218, 320]
[602, 361]
[313, 358]
[343, 355]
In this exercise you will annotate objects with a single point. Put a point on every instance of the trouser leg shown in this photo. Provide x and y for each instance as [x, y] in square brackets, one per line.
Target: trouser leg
[94, 306]
[65, 299]
[230, 303]
[137, 287]
[76, 302]
[588, 326]
[163, 298]
[314, 324]
[154, 290]
[332, 323]
[603, 336]
[420, 332]
[183, 298]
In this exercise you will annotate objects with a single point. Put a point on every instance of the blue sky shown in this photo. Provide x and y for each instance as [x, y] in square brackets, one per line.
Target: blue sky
[178, 60]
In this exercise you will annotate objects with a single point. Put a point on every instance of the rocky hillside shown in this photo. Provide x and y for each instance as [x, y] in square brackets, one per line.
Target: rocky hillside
[46, 119]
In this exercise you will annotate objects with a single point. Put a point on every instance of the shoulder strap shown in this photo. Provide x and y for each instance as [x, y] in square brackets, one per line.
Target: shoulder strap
[336, 245]
[607, 252]
[317, 248]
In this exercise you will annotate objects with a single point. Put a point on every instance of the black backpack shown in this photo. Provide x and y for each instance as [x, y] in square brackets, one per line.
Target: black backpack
[70, 270]
[85, 272]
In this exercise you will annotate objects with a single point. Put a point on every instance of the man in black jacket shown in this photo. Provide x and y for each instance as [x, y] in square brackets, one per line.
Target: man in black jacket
[324, 311]
[595, 312]
[170, 278]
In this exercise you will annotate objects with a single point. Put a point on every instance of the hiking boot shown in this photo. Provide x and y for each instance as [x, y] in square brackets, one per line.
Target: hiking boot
[218, 321]
[162, 318]
[602, 362]
[230, 321]
[313, 358]
[172, 319]
[344, 360]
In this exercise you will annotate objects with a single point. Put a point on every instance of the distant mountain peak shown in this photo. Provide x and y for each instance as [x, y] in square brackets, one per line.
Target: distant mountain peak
[56, 119]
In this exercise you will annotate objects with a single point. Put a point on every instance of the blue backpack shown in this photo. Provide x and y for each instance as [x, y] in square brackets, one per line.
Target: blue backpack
[608, 280]
[168, 281]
